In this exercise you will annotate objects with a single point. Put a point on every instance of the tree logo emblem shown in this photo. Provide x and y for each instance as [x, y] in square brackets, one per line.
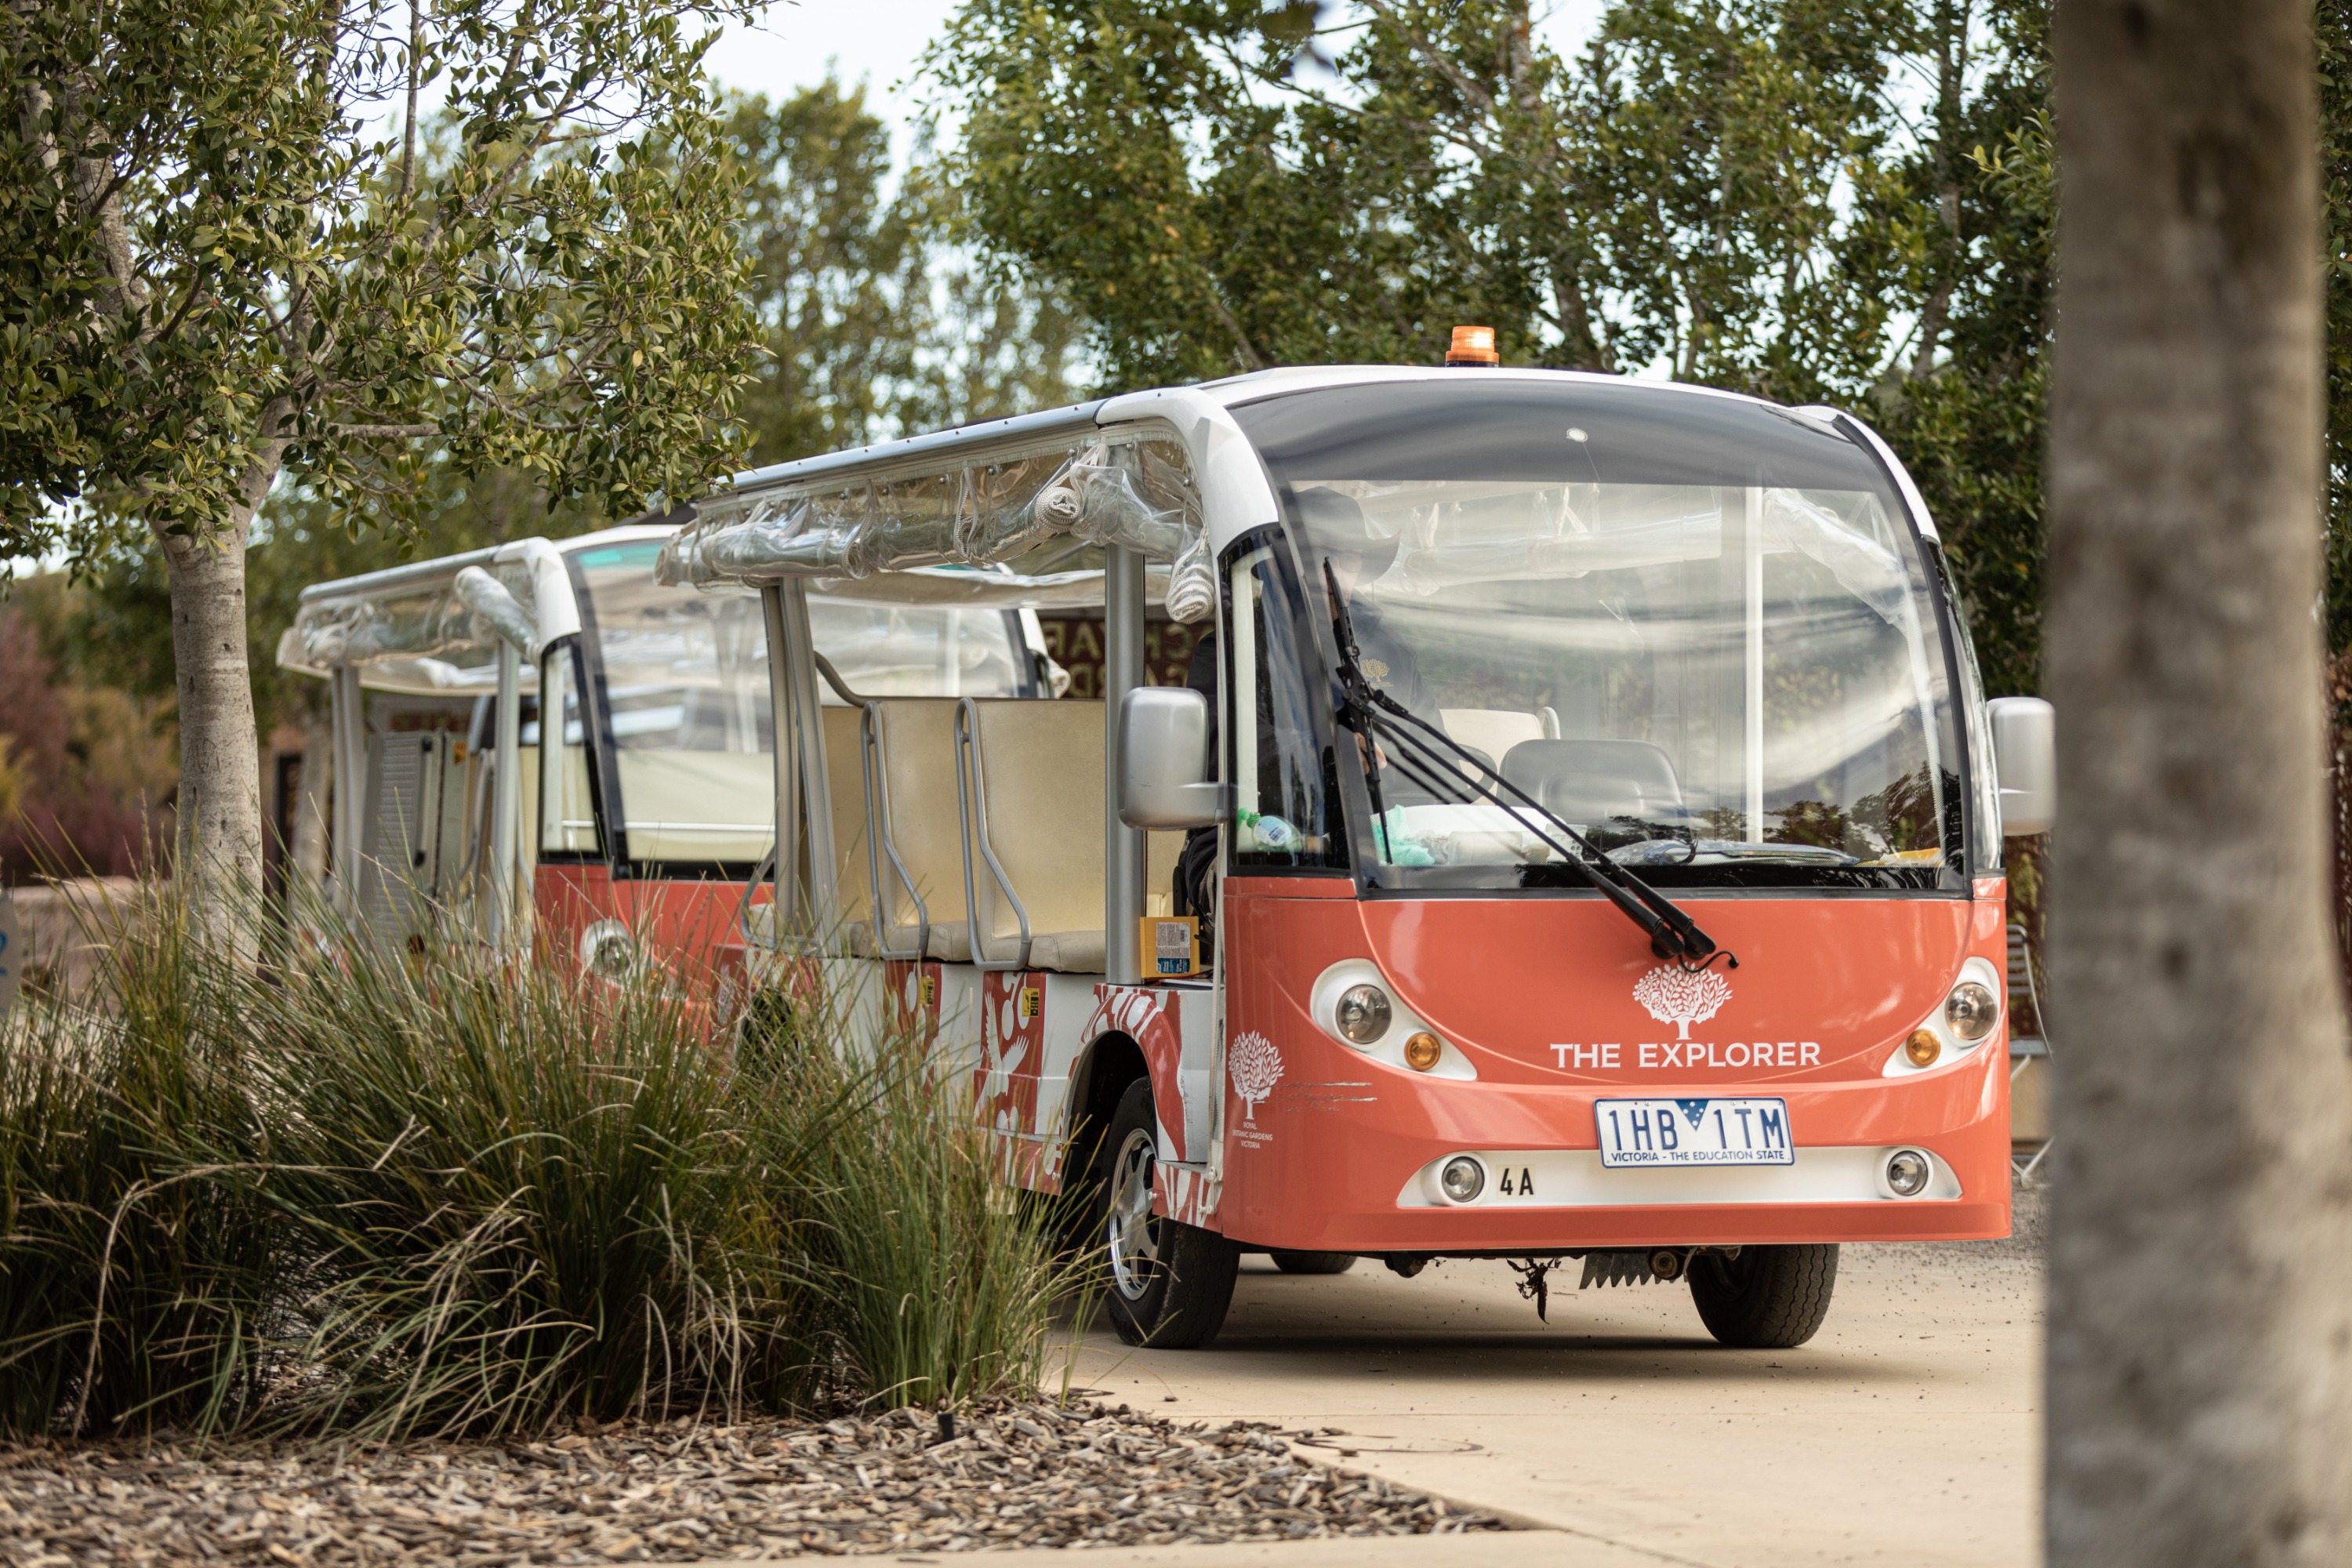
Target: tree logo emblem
[1254, 1067]
[1675, 996]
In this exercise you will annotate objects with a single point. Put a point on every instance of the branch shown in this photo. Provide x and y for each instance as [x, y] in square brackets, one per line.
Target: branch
[196, 292]
[1240, 339]
[415, 69]
[385, 432]
[495, 192]
[1435, 58]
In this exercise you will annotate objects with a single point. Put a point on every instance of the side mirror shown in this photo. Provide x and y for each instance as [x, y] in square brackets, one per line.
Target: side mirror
[2025, 761]
[1163, 759]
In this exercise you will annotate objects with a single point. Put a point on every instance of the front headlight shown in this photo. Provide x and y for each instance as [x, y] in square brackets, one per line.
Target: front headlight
[1362, 1014]
[1971, 1010]
[1909, 1172]
[1463, 1178]
[607, 951]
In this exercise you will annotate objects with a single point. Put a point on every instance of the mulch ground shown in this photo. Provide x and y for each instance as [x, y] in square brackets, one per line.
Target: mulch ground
[1022, 1475]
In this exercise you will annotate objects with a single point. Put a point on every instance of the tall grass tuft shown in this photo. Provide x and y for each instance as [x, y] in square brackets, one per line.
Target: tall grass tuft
[137, 1270]
[528, 1195]
[938, 1285]
[397, 1191]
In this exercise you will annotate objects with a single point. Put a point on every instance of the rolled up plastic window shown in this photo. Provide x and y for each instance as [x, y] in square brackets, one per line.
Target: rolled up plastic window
[497, 608]
[900, 527]
[770, 541]
[1193, 584]
[1105, 496]
[999, 516]
[1136, 493]
[429, 621]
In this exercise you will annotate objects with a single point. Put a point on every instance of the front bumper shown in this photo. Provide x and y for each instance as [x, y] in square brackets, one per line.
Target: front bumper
[1348, 1165]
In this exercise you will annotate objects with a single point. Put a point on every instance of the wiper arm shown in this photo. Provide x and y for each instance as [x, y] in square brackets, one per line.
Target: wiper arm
[1373, 715]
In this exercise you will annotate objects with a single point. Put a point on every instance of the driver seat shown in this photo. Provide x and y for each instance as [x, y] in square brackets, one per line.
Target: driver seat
[1594, 781]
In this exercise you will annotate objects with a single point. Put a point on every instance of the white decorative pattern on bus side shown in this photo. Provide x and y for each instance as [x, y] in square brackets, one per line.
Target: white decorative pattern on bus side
[1012, 1052]
[1153, 1017]
[1185, 1194]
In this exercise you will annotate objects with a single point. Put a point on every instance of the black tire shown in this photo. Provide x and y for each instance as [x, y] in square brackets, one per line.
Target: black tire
[1313, 1262]
[1166, 1285]
[1768, 1297]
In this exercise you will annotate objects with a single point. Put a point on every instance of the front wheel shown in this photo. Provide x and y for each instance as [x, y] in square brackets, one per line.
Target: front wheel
[1169, 1284]
[1766, 1298]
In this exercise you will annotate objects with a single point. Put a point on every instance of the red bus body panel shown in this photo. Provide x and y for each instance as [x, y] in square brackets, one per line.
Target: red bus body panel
[1508, 981]
[687, 926]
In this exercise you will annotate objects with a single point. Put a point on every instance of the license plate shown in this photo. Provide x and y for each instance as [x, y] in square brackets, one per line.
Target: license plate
[1693, 1132]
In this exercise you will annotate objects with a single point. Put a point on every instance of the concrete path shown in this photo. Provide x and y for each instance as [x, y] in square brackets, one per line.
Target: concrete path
[1552, 1548]
[1908, 1432]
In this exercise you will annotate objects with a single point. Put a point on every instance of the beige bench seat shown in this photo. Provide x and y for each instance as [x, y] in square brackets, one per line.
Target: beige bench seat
[1036, 782]
[1038, 771]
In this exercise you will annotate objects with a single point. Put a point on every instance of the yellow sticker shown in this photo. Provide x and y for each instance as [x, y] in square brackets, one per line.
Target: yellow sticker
[1032, 1002]
[931, 990]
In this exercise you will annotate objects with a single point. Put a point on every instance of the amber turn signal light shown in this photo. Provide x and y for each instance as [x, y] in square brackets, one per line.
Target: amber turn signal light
[1421, 1051]
[1473, 345]
[1923, 1048]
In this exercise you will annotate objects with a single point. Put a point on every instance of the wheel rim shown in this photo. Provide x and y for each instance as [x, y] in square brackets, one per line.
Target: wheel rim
[1134, 1231]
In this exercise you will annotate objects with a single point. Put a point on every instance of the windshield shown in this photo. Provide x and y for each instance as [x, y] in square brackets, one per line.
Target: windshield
[918, 650]
[1691, 626]
[685, 676]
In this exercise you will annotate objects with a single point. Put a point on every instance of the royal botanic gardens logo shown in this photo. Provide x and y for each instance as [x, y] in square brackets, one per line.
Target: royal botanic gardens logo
[1254, 1067]
[1675, 996]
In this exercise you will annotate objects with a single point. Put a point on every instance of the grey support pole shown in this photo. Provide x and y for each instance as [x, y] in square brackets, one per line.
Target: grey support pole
[809, 720]
[351, 782]
[786, 730]
[506, 800]
[1123, 846]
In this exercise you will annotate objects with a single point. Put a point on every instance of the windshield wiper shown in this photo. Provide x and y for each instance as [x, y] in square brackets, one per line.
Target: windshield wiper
[1372, 715]
[1684, 851]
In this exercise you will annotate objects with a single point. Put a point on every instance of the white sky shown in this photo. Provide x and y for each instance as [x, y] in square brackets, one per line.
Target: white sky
[877, 40]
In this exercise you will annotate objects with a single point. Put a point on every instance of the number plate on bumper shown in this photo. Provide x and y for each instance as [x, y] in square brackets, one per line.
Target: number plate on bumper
[1636, 1133]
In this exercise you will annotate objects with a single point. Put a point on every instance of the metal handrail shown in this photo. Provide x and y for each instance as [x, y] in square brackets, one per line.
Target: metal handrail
[878, 818]
[840, 687]
[976, 823]
[879, 839]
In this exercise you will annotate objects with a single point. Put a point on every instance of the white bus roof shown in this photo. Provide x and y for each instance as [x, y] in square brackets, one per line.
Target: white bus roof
[1167, 473]
[408, 629]
[1010, 513]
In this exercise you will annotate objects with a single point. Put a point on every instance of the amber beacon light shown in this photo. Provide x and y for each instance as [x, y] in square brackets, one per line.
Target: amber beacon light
[1473, 345]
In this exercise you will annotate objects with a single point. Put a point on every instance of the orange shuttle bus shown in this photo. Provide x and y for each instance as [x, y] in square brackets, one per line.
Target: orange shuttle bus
[624, 836]
[1580, 838]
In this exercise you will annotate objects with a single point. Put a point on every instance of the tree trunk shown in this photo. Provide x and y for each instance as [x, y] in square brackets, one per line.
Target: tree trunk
[220, 772]
[2200, 1285]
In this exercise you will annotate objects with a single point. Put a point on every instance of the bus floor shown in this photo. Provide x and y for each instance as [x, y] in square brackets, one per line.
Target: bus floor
[1908, 1430]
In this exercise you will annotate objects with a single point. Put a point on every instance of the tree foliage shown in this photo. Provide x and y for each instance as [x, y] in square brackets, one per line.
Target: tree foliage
[216, 269]
[1805, 199]
[876, 322]
[872, 320]
[219, 265]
